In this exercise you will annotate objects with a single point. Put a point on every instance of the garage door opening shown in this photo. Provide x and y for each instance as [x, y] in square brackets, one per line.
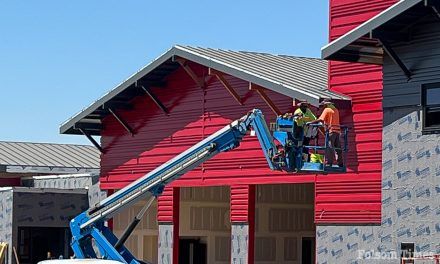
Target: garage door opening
[193, 250]
[143, 242]
[204, 225]
[284, 224]
[41, 243]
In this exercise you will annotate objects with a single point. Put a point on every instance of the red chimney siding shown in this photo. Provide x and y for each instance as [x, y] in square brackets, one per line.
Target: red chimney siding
[356, 196]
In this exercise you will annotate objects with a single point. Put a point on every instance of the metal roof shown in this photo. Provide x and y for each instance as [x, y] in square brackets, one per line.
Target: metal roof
[296, 77]
[25, 157]
[361, 44]
[21, 189]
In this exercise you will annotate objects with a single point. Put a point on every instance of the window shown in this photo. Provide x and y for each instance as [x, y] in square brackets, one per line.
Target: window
[407, 253]
[431, 108]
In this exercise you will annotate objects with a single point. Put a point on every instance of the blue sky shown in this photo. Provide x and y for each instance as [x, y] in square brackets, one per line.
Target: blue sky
[56, 57]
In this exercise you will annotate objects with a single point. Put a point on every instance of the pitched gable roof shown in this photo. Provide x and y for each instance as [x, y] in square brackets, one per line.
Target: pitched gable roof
[296, 77]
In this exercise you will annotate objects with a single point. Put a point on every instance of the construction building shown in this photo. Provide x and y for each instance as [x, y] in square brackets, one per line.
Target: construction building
[403, 42]
[43, 186]
[233, 208]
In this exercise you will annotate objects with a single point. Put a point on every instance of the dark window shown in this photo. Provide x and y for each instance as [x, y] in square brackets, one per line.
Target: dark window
[407, 252]
[40, 243]
[431, 108]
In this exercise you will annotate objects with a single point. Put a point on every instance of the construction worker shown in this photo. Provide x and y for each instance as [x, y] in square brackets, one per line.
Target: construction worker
[330, 119]
[303, 115]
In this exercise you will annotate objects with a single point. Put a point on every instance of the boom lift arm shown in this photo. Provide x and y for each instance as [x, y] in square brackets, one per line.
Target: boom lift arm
[89, 231]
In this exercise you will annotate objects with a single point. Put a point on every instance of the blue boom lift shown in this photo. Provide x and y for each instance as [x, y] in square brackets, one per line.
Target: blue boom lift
[91, 238]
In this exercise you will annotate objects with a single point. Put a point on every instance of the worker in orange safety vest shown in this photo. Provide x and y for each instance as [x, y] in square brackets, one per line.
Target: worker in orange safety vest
[330, 119]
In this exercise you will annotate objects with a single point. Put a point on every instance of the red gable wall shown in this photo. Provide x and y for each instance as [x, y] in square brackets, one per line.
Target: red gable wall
[355, 197]
[195, 114]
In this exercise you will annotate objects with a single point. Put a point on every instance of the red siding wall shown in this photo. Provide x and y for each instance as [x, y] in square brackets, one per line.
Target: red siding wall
[8, 182]
[169, 204]
[242, 203]
[355, 196]
[195, 114]
[243, 211]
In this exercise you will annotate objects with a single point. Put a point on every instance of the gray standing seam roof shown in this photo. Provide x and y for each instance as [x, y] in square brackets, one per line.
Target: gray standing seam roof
[358, 45]
[296, 77]
[48, 158]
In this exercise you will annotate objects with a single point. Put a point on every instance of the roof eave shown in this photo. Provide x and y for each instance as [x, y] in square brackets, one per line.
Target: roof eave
[249, 77]
[335, 49]
[68, 126]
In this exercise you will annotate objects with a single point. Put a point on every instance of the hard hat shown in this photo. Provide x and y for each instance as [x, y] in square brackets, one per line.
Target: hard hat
[302, 102]
[325, 102]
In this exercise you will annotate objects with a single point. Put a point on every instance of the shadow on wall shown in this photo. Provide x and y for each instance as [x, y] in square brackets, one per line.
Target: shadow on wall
[391, 115]
[346, 118]
[194, 114]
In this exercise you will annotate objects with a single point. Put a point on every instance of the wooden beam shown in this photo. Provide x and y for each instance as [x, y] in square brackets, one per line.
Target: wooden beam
[150, 83]
[435, 6]
[436, 11]
[395, 58]
[155, 100]
[391, 35]
[121, 121]
[91, 139]
[261, 91]
[183, 63]
[117, 104]
[221, 78]
[208, 79]
[88, 126]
